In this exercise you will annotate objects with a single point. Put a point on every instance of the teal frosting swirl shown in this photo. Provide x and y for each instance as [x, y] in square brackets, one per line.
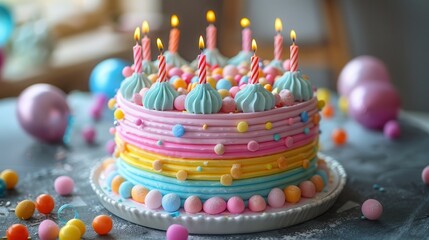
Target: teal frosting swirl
[203, 99]
[160, 97]
[277, 64]
[301, 89]
[149, 67]
[242, 56]
[173, 59]
[133, 84]
[254, 98]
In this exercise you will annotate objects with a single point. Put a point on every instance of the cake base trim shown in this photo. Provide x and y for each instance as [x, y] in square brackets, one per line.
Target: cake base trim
[202, 223]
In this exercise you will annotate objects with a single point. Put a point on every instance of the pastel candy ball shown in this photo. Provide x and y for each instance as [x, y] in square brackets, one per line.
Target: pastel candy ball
[271, 70]
[324, 176]
[219, 149]
[292, 194]
[69, 232]
[286, 65]
[425, 175]
[235, 205]
[125, 189]
[308, 190]
[263, 81]
[178, 130]
[171, 202]
[257, 203]
[64, 185]
[153, 77]
[214, 205]
[217, 71]
[223, 93]
[48, 230]
[243, 80]
[179, 83]
[253, 146]
[195, 79]
[88, 134]
[193, 204]
[127, 71]
[278, 99]
[182, 91]
[179, 102]
[10, 177]
[217, 77]
[372, 209]
[318, 182]
[177, 232]
[287, 97]
[237, 78]
[137, 99]
[25, 209]
[392, 130]
[175, 72]
[153, 199]
[276, 198]
[143, 92]
[212, 82]
[138, 193]
[228, 105]
[234, 90]
[187, 77]
[223, 84]
[270, 79]
[79, 224]
[230, 70]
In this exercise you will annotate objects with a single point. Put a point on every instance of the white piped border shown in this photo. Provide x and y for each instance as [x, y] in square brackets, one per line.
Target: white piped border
[270, 219]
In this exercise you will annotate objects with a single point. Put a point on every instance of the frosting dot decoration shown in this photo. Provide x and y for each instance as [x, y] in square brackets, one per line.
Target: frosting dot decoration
[219, 149]
[304, 117]
[138, 122]
[111, 103]
[157, 165]
[236, 171]
[226, 179]
[253, 146]
[182, 175]
[119, 114]
[281, 162]
[269, 166]
[288, 141]
[242, 127]
[276, 137]
[178, 130]
[305, 164]
[205, 126]
[268, 125]
[199, 169]
[306, 131]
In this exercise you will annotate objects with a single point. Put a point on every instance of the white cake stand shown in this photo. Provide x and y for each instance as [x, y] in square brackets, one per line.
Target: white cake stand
[270, 219]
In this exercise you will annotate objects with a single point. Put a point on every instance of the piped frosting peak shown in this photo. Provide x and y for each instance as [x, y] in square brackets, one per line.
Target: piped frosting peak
[254, 98]
[133, 84]
[160, 97]
[203, 99]
[294, 82]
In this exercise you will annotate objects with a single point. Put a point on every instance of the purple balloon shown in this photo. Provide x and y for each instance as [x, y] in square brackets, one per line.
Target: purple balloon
[2, 59]
[373, 104]
[43, 112]
[359, 70]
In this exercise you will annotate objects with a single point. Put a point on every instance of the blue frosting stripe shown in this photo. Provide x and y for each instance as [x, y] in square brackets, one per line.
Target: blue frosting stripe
[133, 84]
[160, 97]
[301, 89]
[254, 98]
[203, 99]
[205, 189]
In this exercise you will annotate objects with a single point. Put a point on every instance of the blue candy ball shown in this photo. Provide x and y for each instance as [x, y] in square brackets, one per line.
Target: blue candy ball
[106, 77]
[173, 78]
[304, 116]
[2, 187]
[171, 202]
[243, 80]
[178, 130]
[223, 84]
[110, 178]
[125, 189]
[195, 79]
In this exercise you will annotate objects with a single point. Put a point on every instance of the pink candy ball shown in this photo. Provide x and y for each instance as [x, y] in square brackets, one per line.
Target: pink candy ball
[48, 230]
[177, 232]
[234, 90]
[230, 70]
[193, 204]
[228, 105]
[137, 99]
[278, 99]
[372, 209]
[308, 190]
[143, 91]
[392, 129]
[276, 198]
[64, 185]
[271, 71]
[110, 147]
[217, 77]
[235, 205]
[88, 134]
[270, 79]
[214, 205]
[237, 78]
[127, 71]
[187, 77]
[257, 203]
[153, 199]
[287, 97]
[425, 175]
[175, 72]
[179, 102]
[286, 65]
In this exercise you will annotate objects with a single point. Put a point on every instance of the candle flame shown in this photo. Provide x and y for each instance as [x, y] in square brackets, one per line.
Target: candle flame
[278, 25]
[137, 34]
[210, 16]
[245, 22]
[145, 27]
[201, 43]
[293, 36]
[159, 44]
[174, 20]
[254, 45]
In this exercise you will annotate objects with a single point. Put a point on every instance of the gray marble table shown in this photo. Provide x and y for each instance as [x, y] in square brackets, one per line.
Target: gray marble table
[368, 158]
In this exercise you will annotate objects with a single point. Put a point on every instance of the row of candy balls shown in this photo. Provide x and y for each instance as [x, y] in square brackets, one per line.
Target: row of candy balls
[171, 202]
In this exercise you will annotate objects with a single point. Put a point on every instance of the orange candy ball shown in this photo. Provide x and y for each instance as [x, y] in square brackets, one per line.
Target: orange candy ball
[328, 111]
[318, 182]
[179, 83]
[268, 87]
[17, 232]
[292, 194]
[45, 203]
[102, 224]
[339, 137]
[138, 193]
[116, 183]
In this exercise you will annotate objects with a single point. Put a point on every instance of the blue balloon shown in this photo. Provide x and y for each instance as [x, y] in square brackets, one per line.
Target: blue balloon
[6, 24]
[106, 77]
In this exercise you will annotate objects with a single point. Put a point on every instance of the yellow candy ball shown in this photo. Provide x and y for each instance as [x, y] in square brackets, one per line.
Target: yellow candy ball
[79, 224]
[343, 104]
[69, 232]
[263, 81]
[217, 71]
[242, 127]
[182, 175]
[223, 93]
[323, 94]
[138, 193]
[212, 82]
[268, 125]
[192, 86]
[25, 209]
[10, 177]
[153, 77]
[119, 114]
[268, 87]
[320, 104]
[231, 80]
[275, 90]
[226, 179]
[179, 83]
[111, 103]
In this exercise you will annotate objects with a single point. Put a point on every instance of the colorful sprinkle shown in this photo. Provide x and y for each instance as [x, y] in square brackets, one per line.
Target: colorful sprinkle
[269, 166]
[339, 136]
[268, 125]
[178, 130]
[276, 137]
[159, 143]
[157, 165]
[242, 127]
[304, 117]
[119, 115]
[205, 126]
[306, 131]
[199, 169]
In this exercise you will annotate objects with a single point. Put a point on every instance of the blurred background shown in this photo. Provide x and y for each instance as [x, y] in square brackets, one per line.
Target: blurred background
[60, 41]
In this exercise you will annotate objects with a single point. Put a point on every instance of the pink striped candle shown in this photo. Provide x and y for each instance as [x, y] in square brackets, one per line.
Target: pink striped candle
[278, 40]
[137, 51]
[202, 62]
[294, 49]
[162, 69]
[246, 35]
[146, 42]
[173, 43]
[254, 65]
[211, 30]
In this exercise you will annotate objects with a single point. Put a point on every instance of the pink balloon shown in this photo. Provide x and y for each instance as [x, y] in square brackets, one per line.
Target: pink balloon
[373, 104]
[43, 112]
[359, 70]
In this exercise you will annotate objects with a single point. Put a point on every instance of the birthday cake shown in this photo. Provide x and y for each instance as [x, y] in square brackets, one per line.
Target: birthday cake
[217, 140]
